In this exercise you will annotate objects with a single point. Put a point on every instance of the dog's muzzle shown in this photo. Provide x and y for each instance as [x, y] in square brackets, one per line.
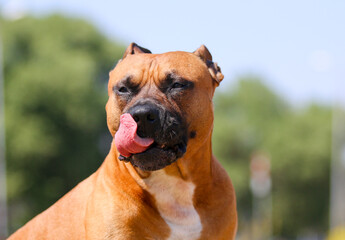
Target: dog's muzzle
[168, 130]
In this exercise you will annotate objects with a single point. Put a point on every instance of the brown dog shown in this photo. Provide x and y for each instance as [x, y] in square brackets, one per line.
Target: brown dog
[175, 189]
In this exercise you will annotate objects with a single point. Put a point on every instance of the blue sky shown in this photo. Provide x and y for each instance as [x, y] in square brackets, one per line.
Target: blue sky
[297, 47]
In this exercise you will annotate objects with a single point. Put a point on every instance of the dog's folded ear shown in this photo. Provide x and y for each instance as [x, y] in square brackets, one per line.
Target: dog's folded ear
[205, 55]
[133, 48]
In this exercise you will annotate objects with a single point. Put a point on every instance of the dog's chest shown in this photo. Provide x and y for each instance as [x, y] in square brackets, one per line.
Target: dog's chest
[174, 200]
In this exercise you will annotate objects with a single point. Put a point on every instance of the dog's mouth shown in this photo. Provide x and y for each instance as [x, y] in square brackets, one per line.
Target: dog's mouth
[150, 136]
[157, 156]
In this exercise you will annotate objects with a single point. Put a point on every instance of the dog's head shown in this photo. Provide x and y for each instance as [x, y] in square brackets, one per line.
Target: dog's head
[169, 96]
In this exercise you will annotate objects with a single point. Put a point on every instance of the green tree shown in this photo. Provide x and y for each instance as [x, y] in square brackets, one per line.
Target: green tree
[56, 71]
[243, 115]
[300, 149]
[251, 118]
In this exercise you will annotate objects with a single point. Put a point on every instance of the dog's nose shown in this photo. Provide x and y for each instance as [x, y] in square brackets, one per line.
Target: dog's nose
[147, 118]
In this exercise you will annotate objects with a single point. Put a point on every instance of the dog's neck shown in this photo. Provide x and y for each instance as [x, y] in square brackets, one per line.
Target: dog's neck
[174, 188]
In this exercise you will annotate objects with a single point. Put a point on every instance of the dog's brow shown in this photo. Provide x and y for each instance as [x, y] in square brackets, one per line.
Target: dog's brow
[172, 76]
[127, 80]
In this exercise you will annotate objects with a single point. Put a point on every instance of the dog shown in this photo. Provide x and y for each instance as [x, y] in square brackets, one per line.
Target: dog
[165, 183]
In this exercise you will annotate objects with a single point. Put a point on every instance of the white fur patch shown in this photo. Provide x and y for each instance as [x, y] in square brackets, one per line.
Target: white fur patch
[174, 199]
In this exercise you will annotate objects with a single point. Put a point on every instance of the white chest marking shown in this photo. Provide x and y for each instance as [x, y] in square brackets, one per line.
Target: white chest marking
[174, 200]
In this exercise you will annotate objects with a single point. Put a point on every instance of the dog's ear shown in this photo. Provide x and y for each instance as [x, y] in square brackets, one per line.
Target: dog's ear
[133, 48]
[205, 55]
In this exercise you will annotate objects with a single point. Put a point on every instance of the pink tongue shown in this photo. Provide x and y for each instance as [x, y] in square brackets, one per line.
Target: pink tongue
[127, 141]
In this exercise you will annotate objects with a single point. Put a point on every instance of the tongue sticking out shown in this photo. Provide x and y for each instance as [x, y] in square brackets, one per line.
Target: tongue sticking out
[127, 141]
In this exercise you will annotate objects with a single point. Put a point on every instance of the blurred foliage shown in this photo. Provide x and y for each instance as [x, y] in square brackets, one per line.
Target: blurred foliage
[251, 118]
[56, 70]
[55, 74]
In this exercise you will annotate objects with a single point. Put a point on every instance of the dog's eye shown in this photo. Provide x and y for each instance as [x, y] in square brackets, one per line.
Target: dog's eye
[123, 90]
[178, 85]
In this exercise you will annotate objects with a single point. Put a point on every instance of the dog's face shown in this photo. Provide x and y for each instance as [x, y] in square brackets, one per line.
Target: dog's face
[169, 96]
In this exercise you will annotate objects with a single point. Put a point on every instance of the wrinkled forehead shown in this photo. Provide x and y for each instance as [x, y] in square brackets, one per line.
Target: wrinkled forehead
[146, 67]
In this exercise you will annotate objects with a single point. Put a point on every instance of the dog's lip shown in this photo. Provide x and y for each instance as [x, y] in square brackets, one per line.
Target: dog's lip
[161, 146]
[165, 146]
[179, 148]
[158, 145]
[157, 155]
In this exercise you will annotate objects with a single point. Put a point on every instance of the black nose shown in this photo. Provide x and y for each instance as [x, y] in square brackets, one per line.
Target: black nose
[147, 118]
